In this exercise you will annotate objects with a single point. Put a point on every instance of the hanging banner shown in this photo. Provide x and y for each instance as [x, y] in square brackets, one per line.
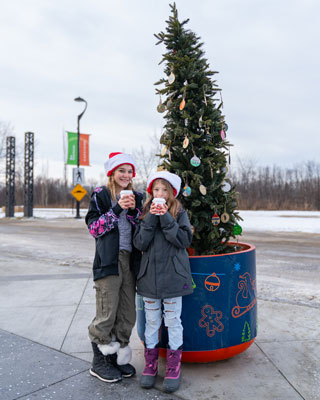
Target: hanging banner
[84, 149]
[72, 158]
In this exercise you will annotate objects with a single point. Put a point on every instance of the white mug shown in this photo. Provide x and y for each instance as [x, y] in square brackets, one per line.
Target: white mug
[158, 200]
[125, 192]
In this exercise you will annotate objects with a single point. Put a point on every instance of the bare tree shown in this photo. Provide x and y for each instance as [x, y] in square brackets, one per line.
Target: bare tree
[146, 161]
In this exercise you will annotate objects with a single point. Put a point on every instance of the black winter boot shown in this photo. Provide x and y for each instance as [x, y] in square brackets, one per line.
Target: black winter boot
[127, 370]
[102, 368]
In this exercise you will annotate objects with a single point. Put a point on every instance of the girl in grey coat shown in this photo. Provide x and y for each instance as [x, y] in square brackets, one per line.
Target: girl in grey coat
[163, 235]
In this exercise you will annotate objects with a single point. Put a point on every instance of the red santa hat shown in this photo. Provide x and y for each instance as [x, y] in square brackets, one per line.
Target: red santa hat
[173, 179]
[117, 159]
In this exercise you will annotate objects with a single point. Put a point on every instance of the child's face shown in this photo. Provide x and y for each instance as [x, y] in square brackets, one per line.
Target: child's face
[160, 190]
[123, 175]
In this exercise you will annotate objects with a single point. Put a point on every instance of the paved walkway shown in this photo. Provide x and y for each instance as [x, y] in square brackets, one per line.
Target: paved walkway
[47, 301]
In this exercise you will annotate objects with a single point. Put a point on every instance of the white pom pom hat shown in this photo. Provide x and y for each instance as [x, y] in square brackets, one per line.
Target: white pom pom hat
[173, 179]
[117, 159]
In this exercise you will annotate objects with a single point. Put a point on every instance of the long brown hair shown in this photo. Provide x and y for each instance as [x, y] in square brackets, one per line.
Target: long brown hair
[111, 185]
[174, 205]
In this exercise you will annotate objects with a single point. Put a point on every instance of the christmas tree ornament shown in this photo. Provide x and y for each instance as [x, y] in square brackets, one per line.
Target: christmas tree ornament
[211, 169]
[171, 78]
[223, 134]
[162, 137]
[185, 142]
[226, 186]
[186, 191]
[200, 123]
[161, 107]
[203, 189]
[186, 122]
[169, 103]
[215, 219]
[226, 127]
[237, 230]
[208, 135]
[182, 104]
[164, 151]
[195, 161]
[225, 169]
[225, 217]
[204, 97]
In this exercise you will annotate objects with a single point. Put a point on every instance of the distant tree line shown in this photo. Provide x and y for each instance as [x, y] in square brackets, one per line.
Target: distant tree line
[258, 187]
[277, 188]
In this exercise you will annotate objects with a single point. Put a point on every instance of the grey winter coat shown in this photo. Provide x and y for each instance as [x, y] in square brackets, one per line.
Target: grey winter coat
[165, 268]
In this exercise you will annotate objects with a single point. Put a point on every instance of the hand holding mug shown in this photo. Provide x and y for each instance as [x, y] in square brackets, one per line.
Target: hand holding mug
[158, 206]
[127, 199]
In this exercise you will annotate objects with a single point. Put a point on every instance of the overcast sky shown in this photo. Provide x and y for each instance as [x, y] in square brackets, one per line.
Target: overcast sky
[267, 53]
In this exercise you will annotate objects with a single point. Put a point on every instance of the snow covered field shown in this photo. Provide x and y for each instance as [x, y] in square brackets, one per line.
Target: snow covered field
[275, 221]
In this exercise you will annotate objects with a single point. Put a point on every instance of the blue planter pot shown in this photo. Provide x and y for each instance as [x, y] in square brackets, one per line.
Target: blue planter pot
[220, 317]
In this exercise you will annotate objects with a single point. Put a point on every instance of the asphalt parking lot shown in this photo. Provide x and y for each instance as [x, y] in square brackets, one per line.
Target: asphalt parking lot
[47, 301]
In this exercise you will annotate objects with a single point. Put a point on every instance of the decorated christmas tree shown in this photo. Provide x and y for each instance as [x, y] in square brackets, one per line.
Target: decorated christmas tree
[194, 141]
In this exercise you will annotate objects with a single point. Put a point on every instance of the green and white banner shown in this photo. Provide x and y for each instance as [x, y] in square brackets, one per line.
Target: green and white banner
[72, 158]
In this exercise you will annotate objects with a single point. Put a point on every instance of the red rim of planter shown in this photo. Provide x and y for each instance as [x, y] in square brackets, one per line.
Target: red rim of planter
[211, 355]
[245, 247]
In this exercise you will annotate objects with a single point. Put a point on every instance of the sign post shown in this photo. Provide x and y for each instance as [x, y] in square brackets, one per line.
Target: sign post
[79, 99]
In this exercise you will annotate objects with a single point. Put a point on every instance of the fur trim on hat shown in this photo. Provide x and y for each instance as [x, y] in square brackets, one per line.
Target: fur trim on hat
[173, 179]
[110, 348]
[124, 355]
[116, 159]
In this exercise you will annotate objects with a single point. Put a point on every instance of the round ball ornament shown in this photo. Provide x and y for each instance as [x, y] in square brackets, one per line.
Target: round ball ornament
[225, 217]
[195, 161]
[212, 282]
[226, 127]
[186, 191]
[237, 230]
[161, 108]
[215, 219]
[226, 187]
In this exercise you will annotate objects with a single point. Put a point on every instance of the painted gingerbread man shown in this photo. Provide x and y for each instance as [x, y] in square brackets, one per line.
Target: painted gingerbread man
[211, 320]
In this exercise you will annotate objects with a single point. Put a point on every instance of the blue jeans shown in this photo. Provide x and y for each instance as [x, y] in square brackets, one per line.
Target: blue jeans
[172, 313]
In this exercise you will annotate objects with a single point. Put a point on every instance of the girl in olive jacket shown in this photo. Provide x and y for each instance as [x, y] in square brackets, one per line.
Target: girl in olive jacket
[163, 235]
[112, 216]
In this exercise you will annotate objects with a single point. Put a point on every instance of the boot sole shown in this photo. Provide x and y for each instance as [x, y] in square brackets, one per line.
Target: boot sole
[168, 387]
[150, 385]
[104, 379]
[128, 375]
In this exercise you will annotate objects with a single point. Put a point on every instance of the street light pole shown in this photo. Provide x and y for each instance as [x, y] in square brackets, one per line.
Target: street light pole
[79, 99]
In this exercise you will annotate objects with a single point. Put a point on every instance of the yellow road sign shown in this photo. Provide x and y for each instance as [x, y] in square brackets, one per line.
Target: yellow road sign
[78, 192]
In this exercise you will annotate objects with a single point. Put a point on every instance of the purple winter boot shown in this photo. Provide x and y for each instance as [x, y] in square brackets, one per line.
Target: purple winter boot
[150, 371]
[173, 371]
